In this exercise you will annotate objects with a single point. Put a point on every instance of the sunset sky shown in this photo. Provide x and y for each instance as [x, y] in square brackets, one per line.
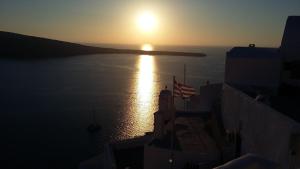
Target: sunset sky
[173, 22]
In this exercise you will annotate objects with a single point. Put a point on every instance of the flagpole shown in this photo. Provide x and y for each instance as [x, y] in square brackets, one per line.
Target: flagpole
[173, 90]
[184, 72]
[184, 82]
[171, 160]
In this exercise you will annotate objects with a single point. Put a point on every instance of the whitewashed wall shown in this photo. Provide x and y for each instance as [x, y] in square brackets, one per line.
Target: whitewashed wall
[264, 131]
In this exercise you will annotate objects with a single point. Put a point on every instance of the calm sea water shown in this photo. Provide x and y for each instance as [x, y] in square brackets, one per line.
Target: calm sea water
[46, 105]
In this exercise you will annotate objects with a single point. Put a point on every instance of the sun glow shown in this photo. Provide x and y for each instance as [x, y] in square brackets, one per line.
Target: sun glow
[147, 22]
[147, 47]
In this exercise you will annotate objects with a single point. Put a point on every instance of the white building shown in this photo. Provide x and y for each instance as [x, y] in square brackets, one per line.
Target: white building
[260, 99]
[253, 67]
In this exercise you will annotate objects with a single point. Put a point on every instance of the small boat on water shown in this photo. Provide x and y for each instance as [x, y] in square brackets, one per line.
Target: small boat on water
[94, 126]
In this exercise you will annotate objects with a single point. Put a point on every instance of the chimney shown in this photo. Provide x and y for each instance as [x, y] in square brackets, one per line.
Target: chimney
[163, 115]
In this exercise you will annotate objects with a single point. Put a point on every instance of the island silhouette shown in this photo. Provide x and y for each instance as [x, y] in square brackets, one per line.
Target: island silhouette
[18, 46]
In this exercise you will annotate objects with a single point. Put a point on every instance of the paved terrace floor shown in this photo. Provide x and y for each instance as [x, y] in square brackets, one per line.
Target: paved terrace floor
[192, 136]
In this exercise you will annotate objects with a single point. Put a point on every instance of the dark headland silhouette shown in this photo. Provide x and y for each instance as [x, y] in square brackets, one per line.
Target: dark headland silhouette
[13, 45]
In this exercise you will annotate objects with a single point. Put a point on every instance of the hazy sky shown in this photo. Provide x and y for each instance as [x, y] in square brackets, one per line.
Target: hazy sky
[179, 22]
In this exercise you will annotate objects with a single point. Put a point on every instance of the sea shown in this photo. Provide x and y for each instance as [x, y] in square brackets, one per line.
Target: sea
[46, 105]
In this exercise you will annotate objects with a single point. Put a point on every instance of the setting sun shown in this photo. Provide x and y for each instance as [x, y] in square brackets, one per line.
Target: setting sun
[147, 21]
[147, 47]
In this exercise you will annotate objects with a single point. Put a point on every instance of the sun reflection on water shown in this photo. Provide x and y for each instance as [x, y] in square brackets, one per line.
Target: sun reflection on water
[145, 79]
[145, 103]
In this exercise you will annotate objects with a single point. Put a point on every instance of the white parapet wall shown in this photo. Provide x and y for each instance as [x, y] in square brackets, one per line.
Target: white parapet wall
[263, 130]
